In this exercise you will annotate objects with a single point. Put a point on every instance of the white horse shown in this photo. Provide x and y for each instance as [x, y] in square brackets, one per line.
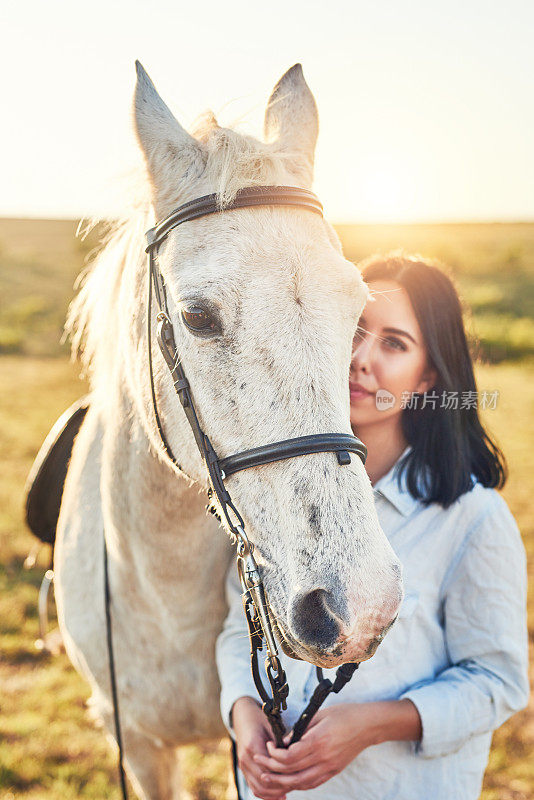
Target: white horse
[288, 304]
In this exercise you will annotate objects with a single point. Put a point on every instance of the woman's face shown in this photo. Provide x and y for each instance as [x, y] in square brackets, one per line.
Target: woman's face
[389, 357]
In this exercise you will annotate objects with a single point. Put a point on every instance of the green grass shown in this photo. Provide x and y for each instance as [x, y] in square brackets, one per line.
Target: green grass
[49, 748]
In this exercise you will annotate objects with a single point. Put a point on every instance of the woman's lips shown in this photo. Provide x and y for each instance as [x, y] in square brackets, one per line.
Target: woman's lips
[358, 392]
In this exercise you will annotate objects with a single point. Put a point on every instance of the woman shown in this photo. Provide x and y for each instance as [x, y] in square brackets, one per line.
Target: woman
[416, 721]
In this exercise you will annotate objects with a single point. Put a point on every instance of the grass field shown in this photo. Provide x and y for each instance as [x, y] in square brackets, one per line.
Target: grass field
[493, 265]
[49, 748]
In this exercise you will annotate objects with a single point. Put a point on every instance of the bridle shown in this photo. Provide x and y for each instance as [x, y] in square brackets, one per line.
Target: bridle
[219, 469]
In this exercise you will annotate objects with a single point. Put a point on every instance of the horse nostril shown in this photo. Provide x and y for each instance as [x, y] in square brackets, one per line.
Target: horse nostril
[312, 620]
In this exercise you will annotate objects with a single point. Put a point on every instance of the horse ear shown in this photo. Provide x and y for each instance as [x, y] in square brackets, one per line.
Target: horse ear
[170, 151]
[291, 119]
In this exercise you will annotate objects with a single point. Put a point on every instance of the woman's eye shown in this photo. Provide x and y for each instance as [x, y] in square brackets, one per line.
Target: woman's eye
[395, 344]
[198, 319]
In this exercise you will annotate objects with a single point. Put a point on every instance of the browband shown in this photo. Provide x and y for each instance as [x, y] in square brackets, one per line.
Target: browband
[245, 198]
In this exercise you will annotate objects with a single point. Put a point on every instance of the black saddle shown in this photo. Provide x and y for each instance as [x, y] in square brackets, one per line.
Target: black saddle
[46, 479]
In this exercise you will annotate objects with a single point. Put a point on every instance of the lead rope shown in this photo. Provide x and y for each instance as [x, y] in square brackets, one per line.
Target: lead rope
[113, 681]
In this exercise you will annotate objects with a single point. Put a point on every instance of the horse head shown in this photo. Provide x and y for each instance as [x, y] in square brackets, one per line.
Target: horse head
[264, 308]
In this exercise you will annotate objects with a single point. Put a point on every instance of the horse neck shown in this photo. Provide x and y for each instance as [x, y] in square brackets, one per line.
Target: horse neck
[157, 529]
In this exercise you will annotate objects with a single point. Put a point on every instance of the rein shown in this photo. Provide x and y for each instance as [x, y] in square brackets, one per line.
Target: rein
[219, 469]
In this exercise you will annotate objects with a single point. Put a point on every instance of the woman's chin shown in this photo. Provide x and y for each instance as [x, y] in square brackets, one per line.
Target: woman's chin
[359, 417]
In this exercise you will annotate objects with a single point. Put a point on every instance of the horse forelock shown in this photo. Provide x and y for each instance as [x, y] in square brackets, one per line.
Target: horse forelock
[235, 160]
[93, 318]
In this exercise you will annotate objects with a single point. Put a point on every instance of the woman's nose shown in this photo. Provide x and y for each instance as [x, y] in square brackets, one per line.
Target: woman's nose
[361, 353]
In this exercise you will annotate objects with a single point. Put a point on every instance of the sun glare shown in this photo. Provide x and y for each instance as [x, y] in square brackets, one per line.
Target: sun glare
[387, 193]
[380, 189]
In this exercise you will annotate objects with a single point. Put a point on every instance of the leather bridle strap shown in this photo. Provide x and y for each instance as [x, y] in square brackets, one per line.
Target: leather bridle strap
[251, 196]
[340, 443]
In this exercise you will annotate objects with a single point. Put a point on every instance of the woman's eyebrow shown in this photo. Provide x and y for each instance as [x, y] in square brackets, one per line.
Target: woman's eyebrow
[400, 332]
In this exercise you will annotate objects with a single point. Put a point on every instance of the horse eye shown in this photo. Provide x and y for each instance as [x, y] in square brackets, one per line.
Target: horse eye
[198, 319]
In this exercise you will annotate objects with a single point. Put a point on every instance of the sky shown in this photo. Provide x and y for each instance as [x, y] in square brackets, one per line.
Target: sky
[426, 108]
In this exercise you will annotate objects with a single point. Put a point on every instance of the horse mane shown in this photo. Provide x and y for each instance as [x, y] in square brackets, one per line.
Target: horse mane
[233, 161]
[92, 317]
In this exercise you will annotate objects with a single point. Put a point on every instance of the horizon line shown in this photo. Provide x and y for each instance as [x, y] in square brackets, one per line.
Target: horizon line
[390, 223]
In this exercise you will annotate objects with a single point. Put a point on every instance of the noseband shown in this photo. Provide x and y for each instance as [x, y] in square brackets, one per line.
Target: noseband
[219, 469]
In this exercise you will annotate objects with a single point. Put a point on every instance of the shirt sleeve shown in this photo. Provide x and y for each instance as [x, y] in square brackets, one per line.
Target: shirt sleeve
[233, 652]
[485, 625]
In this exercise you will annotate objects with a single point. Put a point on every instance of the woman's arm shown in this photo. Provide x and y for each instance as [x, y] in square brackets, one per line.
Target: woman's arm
[484, 608]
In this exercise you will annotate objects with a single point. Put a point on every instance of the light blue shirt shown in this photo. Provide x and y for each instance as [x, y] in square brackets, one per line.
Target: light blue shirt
[458, 650]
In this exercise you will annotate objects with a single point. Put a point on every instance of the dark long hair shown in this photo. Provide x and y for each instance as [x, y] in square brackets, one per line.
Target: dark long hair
[450, 448]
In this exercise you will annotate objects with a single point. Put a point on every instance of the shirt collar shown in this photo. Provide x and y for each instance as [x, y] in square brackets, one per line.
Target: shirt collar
[398, 495]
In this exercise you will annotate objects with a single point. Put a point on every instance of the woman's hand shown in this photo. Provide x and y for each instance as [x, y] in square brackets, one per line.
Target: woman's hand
[334, 738]
[252, 732]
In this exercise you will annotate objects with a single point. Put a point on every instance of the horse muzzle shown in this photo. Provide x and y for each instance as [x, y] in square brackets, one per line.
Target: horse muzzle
[322, 630]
